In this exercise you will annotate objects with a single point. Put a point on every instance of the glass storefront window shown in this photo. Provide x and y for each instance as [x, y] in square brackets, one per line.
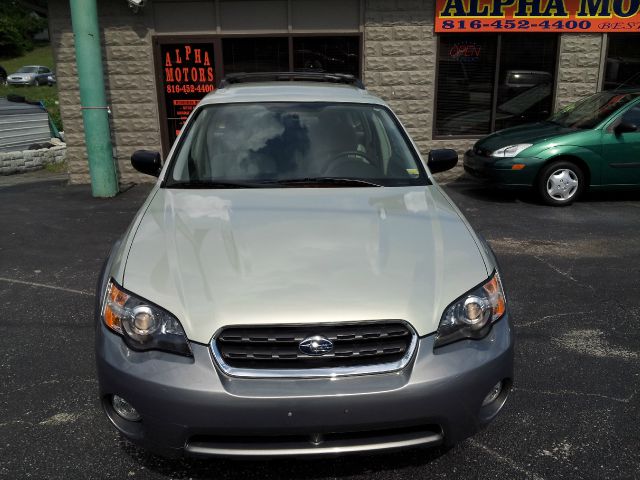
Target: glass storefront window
[623, 61]
[473, 100]
[260, 54]
[188, 69]
[187, 74]
[466, 71]
[327, 54]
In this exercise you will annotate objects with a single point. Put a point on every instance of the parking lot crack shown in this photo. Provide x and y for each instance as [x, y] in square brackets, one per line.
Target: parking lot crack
[564, 274]
[553, 316]
[504, 459]
[43, 285]
[579, 394]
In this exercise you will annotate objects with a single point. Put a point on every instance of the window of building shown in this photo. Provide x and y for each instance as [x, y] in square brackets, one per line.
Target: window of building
[187, 73]
[623, 61]
[191, 67]
[327, 54]
[255, 54]
[489, 82]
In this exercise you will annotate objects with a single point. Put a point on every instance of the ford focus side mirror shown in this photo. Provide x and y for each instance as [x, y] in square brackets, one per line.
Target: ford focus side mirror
[442, 160]
[625, 127]
[147, 162]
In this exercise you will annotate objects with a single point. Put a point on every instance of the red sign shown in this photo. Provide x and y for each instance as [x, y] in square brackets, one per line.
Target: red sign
[537, 16]
[188, 75]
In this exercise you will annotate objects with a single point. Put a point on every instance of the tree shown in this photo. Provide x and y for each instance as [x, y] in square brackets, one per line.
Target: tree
[18, 24]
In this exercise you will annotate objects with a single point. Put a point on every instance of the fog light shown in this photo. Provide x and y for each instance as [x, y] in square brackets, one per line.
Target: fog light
[125, 409]
[493, 394]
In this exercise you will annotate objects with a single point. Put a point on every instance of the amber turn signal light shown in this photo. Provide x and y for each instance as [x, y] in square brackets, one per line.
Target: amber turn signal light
[114, 307]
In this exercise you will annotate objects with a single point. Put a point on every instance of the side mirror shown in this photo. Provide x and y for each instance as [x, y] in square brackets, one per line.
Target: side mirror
[442, 160]
[625, 127]
[147, 162]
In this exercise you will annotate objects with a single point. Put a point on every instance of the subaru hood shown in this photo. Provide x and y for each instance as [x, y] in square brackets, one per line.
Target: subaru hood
[529, 133]
[215, 258]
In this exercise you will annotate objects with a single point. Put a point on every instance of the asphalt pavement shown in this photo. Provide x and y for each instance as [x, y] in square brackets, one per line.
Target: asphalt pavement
[572, 277]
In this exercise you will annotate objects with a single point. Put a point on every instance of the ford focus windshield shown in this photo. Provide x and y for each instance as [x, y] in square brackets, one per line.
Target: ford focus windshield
[294, 144]
[589, 112]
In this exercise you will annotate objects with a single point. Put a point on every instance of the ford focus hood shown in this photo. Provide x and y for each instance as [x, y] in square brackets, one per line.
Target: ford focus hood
[302, 255]
[529, 133]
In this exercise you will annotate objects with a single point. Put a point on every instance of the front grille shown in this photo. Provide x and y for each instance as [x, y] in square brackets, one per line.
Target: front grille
[482, 152]
[278, 347]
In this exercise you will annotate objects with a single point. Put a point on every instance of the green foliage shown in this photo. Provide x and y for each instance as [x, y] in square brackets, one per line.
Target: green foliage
[18, 25]
[56, 167]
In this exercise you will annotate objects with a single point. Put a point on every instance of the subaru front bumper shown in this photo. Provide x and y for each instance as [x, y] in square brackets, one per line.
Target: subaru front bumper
[188, 406]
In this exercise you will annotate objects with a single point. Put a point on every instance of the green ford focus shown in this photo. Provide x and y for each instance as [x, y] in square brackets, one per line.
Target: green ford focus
[593, 143]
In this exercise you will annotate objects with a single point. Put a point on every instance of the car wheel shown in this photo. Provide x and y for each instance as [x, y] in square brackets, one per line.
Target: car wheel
[560, 183]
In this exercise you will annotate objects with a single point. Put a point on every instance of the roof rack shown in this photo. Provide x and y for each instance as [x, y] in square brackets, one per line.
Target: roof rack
[291, 76]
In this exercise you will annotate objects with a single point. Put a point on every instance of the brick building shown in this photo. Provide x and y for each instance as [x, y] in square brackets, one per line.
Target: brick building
[449, 89]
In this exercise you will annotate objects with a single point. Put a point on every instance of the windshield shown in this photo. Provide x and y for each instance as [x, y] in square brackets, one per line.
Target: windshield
[272, 144]
[589, 112]
[28, 70]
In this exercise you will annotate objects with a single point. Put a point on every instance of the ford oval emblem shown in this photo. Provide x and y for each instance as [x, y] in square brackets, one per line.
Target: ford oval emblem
[316, 345]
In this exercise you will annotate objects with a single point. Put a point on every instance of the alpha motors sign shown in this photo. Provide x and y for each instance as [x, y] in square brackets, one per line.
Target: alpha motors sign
[564, 16]
[188, 74]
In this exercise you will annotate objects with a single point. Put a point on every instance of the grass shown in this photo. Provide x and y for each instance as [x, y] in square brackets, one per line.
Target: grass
[56, 167]
[41, 55]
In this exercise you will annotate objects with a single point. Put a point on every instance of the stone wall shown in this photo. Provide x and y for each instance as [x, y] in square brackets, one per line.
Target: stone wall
[129, 81]
[27, 160]
[578, 67]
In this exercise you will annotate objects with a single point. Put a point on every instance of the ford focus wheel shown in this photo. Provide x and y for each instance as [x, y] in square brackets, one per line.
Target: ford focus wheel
[560, 183]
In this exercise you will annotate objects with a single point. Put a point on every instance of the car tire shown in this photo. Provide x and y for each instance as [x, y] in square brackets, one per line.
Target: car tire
[560, 183]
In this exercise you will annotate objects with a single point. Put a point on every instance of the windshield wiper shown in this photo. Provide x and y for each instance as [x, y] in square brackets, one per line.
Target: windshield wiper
[347, 182]
[212, 184]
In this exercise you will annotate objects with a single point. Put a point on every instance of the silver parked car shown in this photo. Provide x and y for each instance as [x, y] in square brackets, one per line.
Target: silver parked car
[297, 284]
[30, 75]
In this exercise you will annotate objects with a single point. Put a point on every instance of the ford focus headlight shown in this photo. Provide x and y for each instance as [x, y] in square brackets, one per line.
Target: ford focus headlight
[143, 325]
[472, 315]
[511, 150]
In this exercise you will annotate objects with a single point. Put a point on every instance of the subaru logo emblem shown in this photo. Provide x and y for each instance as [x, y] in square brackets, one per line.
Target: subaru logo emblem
[316, 345]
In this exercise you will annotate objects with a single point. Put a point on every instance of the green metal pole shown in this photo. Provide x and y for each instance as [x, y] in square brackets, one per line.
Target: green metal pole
[84, 17]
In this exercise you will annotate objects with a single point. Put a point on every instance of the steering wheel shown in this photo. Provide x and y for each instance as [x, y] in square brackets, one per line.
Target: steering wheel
[343, 157]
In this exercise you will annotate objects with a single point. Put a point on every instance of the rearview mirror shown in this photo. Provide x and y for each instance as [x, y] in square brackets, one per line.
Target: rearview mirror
[147, 162]
[625, 127]
[442, 160]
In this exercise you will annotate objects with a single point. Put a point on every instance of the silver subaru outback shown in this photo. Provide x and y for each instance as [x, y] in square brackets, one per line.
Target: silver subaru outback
[297, 284]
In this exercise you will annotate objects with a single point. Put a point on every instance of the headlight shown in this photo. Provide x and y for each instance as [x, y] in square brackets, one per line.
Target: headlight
[472, 315]
[511, 150]
[143, 326]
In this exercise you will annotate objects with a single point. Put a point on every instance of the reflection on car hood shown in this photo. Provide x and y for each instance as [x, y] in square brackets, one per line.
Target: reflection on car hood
[529, 133]
[227, 257]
